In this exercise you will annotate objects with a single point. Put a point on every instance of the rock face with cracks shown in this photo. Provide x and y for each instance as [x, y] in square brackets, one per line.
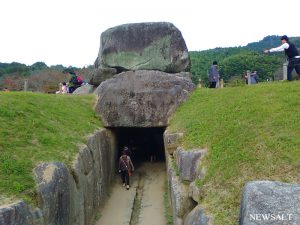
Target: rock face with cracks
[141, 98]
[144, 46]
[270, 203]
[140, 46]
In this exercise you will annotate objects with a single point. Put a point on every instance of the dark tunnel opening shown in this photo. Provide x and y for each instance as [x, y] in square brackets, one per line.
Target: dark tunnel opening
[145, 144]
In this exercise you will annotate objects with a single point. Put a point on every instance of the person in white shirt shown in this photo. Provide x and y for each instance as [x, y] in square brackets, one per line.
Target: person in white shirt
[291, 53]
[64, 88]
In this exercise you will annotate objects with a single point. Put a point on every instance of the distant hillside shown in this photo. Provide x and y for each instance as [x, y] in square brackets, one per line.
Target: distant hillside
[270, 42]
[40, 77]
[15, 67]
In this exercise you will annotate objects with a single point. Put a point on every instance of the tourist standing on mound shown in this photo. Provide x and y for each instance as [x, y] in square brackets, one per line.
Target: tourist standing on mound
[253, 78]
[213, 75]
[291, 53]
[63, 89]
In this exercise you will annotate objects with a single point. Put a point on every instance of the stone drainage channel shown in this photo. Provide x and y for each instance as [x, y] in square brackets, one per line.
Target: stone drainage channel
[136, 209]
[143, 203]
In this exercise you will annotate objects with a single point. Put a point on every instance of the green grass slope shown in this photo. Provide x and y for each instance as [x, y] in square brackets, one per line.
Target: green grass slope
[37, 128]
[251, 132]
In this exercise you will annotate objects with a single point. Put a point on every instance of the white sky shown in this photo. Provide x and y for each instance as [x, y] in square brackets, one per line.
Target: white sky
[68, 32]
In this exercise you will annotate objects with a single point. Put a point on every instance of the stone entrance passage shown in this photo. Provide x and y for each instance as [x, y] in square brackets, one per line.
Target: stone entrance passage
[143, 203]
[146, 144]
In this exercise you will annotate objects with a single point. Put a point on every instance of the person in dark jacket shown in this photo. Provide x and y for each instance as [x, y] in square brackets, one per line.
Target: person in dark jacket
[213, 75]
[125, 167]
[291, 53]
[73, 82]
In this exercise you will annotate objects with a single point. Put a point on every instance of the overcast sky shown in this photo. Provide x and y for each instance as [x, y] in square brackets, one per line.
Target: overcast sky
[68, 32]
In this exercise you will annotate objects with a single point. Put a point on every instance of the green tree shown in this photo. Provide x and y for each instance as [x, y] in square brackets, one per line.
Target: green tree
[38, 66]
[238, 64]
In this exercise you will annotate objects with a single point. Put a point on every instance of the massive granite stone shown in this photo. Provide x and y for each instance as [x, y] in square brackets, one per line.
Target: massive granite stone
[182, 204]
[188, 163]
[270, 203]
[172, 141]
[53, 188]
[143, 98]
[143, 46]
[19, 213]
[197, 217]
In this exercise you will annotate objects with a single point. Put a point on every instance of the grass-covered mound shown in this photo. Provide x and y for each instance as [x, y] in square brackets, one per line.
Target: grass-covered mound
[37, 128]
[251, 132]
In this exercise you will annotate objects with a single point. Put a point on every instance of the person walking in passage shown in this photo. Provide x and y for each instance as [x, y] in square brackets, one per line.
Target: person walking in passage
[125, 168]
[213, 75]
[291, 53]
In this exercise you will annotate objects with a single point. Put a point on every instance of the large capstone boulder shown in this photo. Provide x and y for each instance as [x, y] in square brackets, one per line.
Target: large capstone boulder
[270, 203]
[141, 98]
[143, 46]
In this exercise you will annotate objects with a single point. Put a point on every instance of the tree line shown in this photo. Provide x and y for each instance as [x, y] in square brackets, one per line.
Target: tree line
[39, 77]
[233, 63]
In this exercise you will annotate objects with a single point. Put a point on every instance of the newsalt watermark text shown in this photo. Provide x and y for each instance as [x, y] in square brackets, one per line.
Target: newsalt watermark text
[270, 216]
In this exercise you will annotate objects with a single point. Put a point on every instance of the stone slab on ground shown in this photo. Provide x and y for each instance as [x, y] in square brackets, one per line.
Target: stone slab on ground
[270, 203]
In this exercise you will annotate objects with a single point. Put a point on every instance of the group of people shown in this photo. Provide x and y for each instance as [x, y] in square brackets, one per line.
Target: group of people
[291, 53]
[253, 78]
[75, 81]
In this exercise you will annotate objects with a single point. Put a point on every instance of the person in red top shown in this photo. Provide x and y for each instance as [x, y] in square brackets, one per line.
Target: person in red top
[125, 167]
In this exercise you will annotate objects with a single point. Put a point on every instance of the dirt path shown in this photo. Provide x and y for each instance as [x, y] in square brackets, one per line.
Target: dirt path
[142, 204]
